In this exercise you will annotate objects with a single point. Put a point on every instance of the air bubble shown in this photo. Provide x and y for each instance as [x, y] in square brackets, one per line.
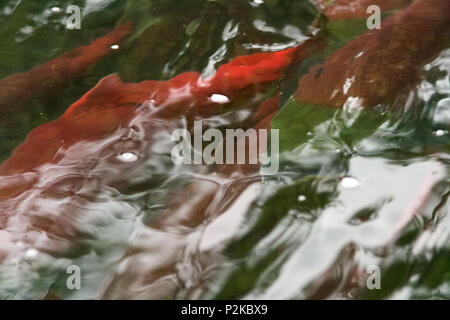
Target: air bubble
[349, 182]
[31, 254]
[257, 2]
[440, 133]
[219, 98]
[127, 157]
[55, 9]
[301, 198]
[151, 104]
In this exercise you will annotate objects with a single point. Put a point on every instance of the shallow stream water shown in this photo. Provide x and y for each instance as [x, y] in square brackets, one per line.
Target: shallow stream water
[357, 191]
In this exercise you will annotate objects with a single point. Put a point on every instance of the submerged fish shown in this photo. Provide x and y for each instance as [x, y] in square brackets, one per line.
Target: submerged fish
[376, 66]
[102, 137]
[64, 166]
[225, 198]
[17, 89]
[357, 9]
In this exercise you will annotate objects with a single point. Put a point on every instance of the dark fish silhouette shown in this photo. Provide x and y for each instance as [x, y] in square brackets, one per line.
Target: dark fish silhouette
[377, 65]
[17, 89]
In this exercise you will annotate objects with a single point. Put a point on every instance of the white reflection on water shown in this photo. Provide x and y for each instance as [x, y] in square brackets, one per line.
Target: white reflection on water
[399, 191]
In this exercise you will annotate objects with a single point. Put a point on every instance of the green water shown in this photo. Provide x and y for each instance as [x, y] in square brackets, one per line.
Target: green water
[335, 208]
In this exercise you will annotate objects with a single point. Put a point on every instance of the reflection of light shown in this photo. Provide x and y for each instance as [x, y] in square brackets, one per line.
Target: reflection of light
[27, 30]
[257, 2]
[442, 114]
[348, 84]
[55, 9]
[31, 253]
[301, 198]
[95, 5]
[440, 133]
[358, 55]
[219, 98]
[287, 31]
[349, 182]
[127, 157]
[115, 46]
[262, 26]
[230, 31]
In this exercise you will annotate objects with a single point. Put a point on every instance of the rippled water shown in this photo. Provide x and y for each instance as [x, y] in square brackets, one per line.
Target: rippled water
[358, 189]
